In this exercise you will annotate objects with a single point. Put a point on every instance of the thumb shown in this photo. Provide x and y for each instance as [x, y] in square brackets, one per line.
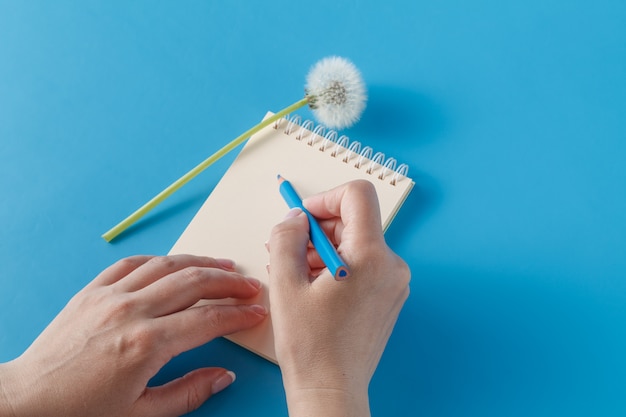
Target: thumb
[184, 394]
[288, 251]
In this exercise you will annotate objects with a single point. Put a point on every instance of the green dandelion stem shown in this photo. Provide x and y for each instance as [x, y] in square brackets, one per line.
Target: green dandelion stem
[159, 198]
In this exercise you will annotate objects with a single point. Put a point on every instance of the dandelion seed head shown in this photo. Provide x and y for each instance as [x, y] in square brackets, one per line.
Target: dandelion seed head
[336, 92]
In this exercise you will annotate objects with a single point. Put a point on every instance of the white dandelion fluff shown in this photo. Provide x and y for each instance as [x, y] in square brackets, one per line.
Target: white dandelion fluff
[336, 92]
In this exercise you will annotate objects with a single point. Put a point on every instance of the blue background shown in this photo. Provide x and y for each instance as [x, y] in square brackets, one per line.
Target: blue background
[511, 115]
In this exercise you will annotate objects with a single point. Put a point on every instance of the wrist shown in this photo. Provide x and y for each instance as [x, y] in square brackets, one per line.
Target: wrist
[328, 402]
[18, 396]
[8, 384]
[330, 398]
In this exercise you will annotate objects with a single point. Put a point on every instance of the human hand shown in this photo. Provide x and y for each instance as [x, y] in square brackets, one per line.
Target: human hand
[98, 354]
[329, 334]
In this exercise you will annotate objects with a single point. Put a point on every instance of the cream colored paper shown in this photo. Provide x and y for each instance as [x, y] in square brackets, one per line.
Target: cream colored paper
[236, 219]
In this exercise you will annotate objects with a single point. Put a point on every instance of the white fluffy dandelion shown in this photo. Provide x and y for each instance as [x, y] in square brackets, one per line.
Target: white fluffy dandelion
[335, 92]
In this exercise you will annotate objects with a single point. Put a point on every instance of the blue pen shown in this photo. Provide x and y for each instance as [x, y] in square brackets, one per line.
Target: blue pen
[322, 244]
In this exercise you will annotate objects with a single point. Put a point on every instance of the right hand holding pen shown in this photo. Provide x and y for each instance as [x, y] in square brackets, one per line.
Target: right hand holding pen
[330, 335]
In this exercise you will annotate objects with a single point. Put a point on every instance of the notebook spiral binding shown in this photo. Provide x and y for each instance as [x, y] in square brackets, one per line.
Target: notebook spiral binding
[338, 145]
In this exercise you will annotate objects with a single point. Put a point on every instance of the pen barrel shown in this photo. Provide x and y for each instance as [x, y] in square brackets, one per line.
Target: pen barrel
[324, 247]
[319, 239]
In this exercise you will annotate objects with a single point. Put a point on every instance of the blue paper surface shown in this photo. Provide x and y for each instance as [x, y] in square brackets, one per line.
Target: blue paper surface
[510, 114]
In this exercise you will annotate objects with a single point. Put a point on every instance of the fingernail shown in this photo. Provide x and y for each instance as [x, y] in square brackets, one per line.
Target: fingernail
[223, 381]
[267, 268]
[259, 309]
[226, 263]
[267, 245]
[294, 212]
[255, 282]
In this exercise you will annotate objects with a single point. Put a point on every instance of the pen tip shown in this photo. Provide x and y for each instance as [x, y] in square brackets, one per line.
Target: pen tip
[280, 178]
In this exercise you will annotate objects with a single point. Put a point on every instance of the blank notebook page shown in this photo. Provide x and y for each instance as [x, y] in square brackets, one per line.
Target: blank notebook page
[236, 219]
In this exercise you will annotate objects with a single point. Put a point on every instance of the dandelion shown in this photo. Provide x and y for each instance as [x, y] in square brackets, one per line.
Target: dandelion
[335, 92]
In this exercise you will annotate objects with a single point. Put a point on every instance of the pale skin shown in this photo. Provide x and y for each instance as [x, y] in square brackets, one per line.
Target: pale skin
[98, 354]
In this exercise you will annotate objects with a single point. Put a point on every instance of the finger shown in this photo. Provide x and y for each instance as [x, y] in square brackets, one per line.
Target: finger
[289, 242]
[185, 394]
[161, 266]
[196, 326]
[316, 265]
[356, 204]
[314, 260]
[184, 288]
[119, 270]
[317, 272]
[333, 228]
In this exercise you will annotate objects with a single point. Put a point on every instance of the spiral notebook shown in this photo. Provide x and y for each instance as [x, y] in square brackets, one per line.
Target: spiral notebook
[236, 219]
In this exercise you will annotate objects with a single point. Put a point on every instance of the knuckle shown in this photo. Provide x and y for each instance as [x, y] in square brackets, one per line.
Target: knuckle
[402, 277]
[362, 187]
[280, 231]
[166, 262]
[136, 341]
[194, 396]
[286, 235]
[196, 277]
[193, 274]
[216, 317]
[143, 338]
[404, 272]
[129, 263]
[118, 309]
